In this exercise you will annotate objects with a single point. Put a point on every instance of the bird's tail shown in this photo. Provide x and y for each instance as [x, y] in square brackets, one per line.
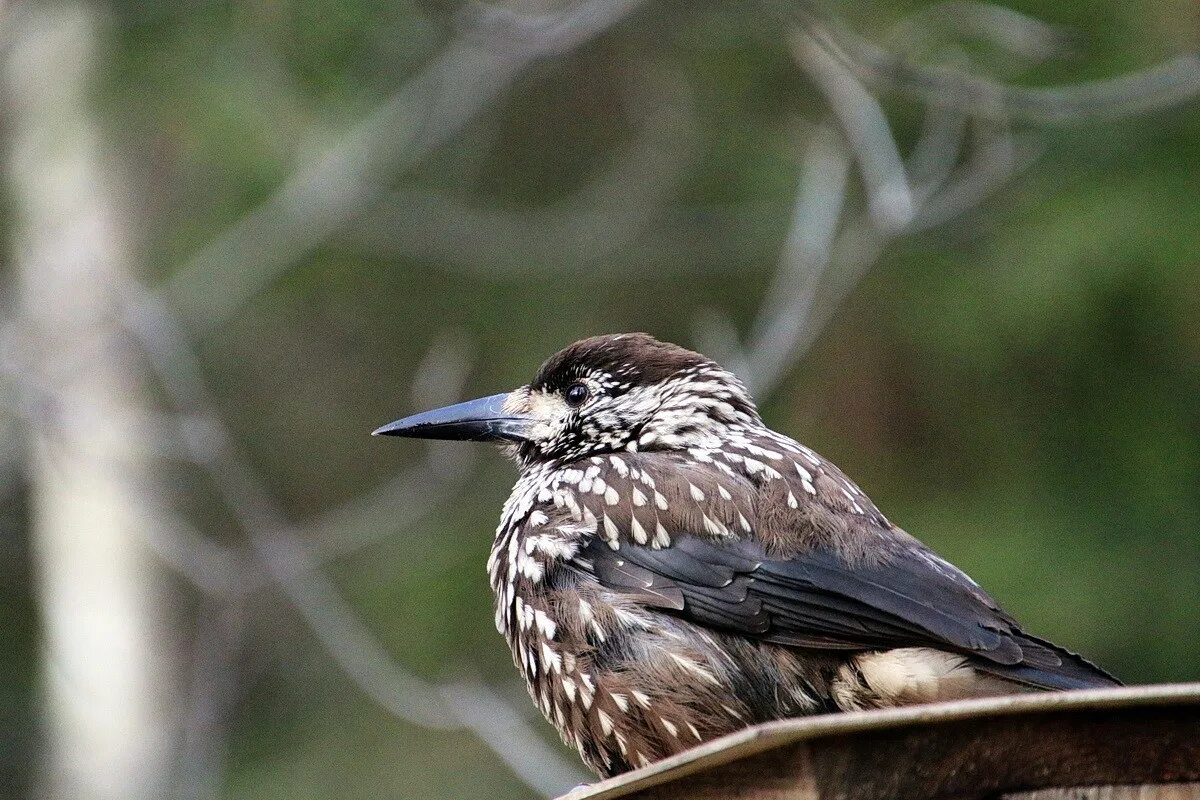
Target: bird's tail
[1048, 666]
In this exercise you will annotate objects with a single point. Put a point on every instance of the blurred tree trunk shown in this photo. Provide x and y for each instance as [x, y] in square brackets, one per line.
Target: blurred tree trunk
[108, 677]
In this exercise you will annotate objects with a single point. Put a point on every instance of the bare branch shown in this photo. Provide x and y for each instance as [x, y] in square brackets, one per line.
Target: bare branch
[416, 491]
[716, 334]
[529, 36]
[215, 569]
[493, 47]
[942, 188]
[937, 150]
[603, 217]
[806, 254]
[866, 129]
[216, 649]
[1162, 86]
[996, 157]
[1029, 39]
[501, 723]
[294, 568]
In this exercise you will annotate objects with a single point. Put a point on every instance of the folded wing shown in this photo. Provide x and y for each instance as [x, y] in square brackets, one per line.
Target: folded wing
[818, 600]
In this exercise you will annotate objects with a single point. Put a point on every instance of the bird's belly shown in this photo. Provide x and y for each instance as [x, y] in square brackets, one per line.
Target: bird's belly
[627, 685]
[909, 675]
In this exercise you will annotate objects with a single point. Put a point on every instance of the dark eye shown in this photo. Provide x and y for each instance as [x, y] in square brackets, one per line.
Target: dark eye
[577, 395]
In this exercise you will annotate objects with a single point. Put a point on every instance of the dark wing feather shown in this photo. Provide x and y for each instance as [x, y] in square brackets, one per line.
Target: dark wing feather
[905, 591]
[656, 589]
[817, 599]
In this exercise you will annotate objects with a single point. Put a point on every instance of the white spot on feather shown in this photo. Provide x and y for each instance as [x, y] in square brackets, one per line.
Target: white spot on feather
[587, 690]
[551, 659]
[611, 532]
[530, 567]
[629, 619]
[714, 527]
[810, 456]
[639, 533]
[519, 607]
[691, 666]
[567, 498]
[806, 478]
[544, 623]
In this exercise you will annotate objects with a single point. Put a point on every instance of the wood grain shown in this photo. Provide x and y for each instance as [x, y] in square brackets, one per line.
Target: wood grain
[985, 749]
[1163, 791]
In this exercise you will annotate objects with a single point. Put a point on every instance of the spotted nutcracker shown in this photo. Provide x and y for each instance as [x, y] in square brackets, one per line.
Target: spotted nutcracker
[668, 569]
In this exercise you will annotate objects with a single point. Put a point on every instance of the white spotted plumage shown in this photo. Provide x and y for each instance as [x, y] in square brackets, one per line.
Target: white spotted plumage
[607, 480]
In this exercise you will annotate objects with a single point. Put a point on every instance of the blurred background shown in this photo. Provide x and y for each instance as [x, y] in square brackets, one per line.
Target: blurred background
[952, 246]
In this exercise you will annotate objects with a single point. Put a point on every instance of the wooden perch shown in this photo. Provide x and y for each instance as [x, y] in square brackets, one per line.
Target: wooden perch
[1114, 743]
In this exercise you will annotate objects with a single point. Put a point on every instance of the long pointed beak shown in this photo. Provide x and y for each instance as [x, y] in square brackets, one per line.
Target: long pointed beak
[482, 420]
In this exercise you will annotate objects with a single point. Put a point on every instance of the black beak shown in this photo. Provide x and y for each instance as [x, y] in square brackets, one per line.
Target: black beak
[482, 420]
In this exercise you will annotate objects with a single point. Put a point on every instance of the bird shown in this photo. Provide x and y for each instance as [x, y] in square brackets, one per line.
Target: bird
[668, 569]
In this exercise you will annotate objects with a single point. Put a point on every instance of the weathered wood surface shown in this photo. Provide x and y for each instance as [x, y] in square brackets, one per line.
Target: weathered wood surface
[1004, 747]
[1162, 791]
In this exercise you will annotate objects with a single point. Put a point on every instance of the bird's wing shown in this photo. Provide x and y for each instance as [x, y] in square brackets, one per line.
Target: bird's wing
[811, 600]
[816, 600]
[816, 596]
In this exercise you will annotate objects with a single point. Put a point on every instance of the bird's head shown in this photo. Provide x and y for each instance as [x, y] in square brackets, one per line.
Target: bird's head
[600, 395]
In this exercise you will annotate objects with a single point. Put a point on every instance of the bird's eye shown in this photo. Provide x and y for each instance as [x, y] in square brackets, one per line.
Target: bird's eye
[577, 394]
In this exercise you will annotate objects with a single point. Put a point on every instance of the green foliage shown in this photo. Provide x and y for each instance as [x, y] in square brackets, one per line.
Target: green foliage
[1021, 389]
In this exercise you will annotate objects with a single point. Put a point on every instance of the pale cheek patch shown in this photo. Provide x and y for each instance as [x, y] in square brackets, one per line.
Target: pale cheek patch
[549, 412]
